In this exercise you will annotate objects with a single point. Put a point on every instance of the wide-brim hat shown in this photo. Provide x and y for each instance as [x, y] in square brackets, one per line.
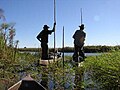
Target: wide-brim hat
[46, 26]
[81, 26]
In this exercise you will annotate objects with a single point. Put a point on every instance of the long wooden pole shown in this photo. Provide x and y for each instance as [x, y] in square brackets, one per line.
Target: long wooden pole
[55, 27]
[63, 47]
[55, 11]
[63, 56]
[81, 17]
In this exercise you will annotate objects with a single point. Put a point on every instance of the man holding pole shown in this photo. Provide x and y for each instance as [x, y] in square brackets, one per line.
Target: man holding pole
[79, 38]
[43, 38]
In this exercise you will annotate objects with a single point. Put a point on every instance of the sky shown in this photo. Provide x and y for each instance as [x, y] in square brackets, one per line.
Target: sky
[100, 17]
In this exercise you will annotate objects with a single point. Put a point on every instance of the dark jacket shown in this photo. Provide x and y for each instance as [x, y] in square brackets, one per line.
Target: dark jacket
[43, 36]
[79, 37]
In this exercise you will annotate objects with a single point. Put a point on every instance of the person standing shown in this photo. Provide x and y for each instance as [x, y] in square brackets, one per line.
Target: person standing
[79, 38]
[43, 38]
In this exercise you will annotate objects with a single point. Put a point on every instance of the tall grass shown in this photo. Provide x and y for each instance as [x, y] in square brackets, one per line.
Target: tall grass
[11, 61]
[104, 71]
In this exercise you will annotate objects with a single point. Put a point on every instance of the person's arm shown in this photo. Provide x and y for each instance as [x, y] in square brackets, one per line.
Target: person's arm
[85, 35]
[82, 39]
[74, 34]
[54, 27]
[50, 31]
[39, 37]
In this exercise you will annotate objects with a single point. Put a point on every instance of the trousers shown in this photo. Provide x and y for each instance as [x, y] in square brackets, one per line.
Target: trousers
[78, 51]
[44, 47]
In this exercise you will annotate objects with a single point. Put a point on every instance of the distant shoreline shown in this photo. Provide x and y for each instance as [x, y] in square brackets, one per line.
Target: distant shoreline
[87, 49]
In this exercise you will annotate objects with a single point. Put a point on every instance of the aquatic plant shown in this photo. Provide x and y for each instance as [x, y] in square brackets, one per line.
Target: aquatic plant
[103, 71]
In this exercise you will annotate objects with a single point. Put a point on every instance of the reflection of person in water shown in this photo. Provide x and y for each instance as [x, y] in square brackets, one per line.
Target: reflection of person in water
[43, 38]
[79, 38]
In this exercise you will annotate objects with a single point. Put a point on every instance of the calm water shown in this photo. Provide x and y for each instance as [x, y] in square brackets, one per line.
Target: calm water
[86, 54]
[69, 53]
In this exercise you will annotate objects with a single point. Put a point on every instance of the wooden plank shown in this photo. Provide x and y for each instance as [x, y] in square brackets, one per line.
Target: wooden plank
[47, 62]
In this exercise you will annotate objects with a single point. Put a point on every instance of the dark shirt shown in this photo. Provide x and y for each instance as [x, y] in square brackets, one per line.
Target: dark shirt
[79, 37]
[43, 36]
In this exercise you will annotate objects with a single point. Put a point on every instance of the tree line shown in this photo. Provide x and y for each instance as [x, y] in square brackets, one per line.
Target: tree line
[87, 49]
